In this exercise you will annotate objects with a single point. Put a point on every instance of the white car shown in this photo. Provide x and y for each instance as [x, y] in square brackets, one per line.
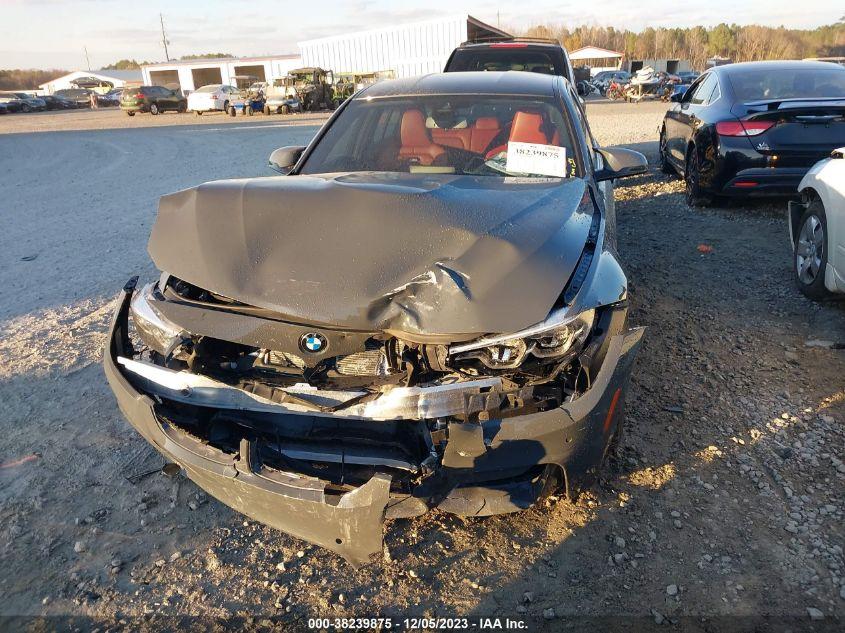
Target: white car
[817, 228]
[211, 97]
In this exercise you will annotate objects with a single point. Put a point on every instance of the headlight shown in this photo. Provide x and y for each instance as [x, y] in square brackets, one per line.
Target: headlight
[157, 332]
[553, 338]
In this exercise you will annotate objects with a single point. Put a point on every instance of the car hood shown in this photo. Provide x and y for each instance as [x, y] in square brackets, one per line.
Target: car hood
[428, 256]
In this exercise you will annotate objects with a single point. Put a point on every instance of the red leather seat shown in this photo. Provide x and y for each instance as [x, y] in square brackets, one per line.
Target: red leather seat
[416, 144]
[485, 130]
[527, 127]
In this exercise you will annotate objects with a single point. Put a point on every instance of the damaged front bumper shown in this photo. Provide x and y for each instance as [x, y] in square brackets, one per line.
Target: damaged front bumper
[471, 475]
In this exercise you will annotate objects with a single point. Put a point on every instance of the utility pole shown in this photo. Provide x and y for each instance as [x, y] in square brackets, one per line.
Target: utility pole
[164, 39]
[87, 61]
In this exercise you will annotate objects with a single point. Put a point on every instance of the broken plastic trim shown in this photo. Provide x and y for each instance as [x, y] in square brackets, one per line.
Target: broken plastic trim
[398, 403]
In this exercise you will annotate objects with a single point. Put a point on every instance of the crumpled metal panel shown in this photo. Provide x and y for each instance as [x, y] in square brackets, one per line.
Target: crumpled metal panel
[457, 255]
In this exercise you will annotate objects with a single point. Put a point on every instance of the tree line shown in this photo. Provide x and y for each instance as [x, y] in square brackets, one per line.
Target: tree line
[697, 44]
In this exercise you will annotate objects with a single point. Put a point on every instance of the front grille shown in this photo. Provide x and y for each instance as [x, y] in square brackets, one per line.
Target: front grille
[284, 359]
[370, 363]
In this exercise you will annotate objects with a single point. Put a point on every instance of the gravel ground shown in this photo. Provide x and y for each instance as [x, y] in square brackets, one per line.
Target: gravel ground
[726, 512]
[114, 118]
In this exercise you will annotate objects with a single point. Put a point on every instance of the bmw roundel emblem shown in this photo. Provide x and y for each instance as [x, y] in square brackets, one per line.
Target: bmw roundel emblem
[312, 342]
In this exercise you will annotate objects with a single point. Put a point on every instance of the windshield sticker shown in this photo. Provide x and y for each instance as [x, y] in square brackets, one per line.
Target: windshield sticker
[536, 159]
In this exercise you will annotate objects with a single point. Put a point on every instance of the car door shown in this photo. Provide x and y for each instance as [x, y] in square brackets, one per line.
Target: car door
[683, 118]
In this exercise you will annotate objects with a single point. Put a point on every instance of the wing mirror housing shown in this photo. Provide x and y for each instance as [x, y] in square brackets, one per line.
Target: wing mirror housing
[284, 159]
[620, 163]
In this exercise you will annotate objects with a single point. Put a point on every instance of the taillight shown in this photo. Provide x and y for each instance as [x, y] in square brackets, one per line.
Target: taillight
[140, 95]
[742, 128]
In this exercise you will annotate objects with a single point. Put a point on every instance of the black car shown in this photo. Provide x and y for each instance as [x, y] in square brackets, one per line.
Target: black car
[754, 129]
[80, 97]
[56, 102]
[152, 99]
[456, 338]
[527, 54]
[687, 76]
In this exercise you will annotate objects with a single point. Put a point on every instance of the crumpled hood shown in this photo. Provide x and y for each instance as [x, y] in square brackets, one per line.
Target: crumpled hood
[420, 254]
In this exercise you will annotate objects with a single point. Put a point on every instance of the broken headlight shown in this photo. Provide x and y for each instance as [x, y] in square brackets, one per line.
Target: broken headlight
[157, 332]
[555, 337]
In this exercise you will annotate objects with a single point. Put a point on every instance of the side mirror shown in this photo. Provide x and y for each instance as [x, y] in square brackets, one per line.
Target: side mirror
[620, 163]
[283, 159]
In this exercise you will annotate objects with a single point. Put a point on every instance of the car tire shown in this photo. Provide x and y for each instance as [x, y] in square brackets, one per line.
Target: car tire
[25, 108]
[808, 263]
[266, 110]
[226, 107]
[153, 109]
[663, 157]
[130, 113]
[248, 110]
[692, 181]
[198, 112]
[284, 109]
[232, 111]
[182, 109]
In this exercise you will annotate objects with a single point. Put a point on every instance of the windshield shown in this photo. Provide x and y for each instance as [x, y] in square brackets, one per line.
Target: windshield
[211, 88]
[443, 134]
[791, 83]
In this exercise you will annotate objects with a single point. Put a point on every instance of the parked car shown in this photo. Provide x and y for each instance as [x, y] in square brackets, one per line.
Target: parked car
[28, 102]
[56, 102]
[81, 97]
[110, 98]
[817, 228]
[11, 102]
[527, 54]
[687, 76]
[210, 98]
[152, 99]
[753, 129]
[456, 338]
[603, 79]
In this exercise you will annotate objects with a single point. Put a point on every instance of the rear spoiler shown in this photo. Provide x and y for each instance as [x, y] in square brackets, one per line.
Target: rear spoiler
[801, 102]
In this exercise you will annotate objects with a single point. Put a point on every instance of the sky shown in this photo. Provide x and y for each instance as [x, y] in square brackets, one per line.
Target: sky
[54, 33]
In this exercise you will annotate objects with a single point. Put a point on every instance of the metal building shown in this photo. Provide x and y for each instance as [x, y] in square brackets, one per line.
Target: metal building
[188, 75]
[407, 50]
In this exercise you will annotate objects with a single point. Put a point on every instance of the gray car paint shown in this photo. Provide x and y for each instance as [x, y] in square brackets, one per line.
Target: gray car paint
[357, 251]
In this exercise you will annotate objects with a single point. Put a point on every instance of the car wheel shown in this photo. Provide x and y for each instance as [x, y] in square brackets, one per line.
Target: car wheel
[153, 108]
[232, 111]
[198, 112]
[284, 109]
[26, 108]
[225, 106]
[665, 165]
[182, 108]
[692, 181]
[810, 253]
[130, 113]
[248, 110]
[267, 110]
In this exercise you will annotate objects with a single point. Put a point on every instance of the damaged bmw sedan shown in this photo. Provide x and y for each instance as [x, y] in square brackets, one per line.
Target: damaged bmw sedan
[425, 311]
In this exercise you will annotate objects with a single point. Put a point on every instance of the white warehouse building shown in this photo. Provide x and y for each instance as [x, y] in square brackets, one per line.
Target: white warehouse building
[195, 73]
[407, 50]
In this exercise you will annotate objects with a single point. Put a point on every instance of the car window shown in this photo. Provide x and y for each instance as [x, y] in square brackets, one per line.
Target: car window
[447, 134]
[505, 59]
[787, 83]
[701, 91]
[715, 93]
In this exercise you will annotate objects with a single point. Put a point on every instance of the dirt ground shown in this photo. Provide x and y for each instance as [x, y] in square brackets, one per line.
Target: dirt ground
[726, 513]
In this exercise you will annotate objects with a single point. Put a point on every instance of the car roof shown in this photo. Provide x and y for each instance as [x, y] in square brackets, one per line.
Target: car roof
[509, 82]
[529, 41]
[789, 64]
